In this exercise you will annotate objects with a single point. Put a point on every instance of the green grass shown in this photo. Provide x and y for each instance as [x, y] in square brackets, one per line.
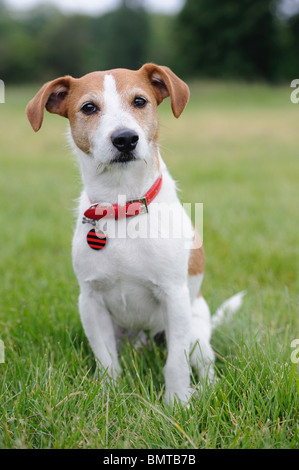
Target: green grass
[236, 150]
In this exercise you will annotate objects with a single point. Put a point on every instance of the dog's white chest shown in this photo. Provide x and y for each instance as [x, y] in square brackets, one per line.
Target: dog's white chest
[134, 306]
[130, 273]
[124, 278]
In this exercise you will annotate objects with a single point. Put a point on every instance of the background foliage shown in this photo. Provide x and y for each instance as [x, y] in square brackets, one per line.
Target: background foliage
[210, 38]
[235, 149]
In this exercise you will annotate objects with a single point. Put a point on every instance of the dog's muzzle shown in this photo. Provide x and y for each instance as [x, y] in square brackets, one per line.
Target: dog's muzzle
[125, 140]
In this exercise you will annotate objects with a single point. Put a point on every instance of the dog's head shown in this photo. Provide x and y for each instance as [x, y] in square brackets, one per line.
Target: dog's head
[112, 114]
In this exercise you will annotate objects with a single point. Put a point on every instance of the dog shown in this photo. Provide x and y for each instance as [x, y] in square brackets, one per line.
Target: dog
[137, 283]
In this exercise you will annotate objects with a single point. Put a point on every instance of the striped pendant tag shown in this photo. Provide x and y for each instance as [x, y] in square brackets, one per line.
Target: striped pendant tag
[96, 239]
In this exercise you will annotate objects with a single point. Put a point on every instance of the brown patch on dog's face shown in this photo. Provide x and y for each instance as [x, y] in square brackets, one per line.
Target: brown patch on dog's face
[67, 96]
[132, 89]
[85, 91]
[146, 116]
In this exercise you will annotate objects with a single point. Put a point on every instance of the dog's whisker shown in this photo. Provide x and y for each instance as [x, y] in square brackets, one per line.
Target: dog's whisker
[100, 168]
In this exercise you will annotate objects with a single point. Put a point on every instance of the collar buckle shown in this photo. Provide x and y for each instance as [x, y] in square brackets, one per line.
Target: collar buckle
[143, 209]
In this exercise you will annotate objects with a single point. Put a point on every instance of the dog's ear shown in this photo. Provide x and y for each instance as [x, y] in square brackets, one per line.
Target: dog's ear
[53, 96]
[165, 83]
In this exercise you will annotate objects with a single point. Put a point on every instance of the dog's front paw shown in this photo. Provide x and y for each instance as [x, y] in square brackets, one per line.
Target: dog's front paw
[109, 374]
[181, 396]
[113, 372]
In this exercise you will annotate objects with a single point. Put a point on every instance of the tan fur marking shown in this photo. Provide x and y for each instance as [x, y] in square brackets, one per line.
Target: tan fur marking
[66, 95]
[134, 83]
[87, 88]
[129, 83]
[197, 258]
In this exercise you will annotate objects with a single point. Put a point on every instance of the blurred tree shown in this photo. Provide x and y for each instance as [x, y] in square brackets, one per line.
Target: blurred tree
[227, 38]
[160, 48]
[286, 62]
[17, 49]
[44, 43]
[37, 22]
[120, 38]
[65, 45]
[213, 38]
[294, 27]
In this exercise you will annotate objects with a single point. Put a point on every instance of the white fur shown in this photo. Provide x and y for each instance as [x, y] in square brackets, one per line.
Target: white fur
[138, 283]
[115, 116]
[227, 309]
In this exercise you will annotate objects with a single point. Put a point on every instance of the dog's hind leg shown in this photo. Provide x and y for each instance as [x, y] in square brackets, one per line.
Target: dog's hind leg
[202, 356]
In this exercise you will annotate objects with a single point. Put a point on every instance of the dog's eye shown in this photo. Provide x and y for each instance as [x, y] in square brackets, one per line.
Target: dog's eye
[139, 102]
[89, 108]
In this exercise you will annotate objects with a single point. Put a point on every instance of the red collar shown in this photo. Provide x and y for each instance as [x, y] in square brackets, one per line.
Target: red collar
[134, 207]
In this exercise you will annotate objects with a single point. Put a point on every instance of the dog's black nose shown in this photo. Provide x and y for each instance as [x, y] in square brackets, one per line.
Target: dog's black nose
[125, 140]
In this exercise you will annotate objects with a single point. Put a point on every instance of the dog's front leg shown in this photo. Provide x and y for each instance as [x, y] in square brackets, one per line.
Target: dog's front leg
[99, 330]
[178, 335]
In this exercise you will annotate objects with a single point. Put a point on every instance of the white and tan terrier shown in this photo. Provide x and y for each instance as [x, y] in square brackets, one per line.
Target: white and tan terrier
[141, 283]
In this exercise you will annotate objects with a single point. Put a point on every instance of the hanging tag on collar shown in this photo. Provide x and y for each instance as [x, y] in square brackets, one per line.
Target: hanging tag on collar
[96, 239]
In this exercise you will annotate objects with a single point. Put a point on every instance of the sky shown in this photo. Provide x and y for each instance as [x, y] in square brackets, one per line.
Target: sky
[97, 6]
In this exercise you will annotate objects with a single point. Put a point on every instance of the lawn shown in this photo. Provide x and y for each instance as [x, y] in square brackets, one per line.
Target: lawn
[235, 149]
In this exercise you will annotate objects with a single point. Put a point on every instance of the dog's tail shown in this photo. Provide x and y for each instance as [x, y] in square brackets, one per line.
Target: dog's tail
[227, 309]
